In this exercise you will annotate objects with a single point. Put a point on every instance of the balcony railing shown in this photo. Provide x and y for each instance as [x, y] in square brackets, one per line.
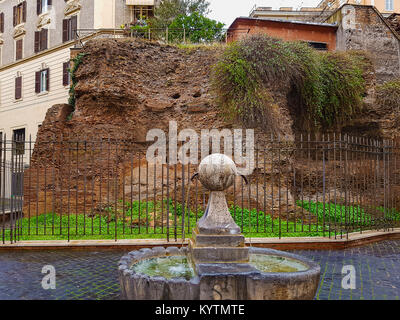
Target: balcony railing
[140, 2]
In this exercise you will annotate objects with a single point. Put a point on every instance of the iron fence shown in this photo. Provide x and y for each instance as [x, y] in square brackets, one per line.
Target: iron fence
[191, 36]
[329, 186]
[164, 35]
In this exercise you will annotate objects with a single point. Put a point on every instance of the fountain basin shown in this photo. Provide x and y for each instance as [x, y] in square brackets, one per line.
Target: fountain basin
[165, 274]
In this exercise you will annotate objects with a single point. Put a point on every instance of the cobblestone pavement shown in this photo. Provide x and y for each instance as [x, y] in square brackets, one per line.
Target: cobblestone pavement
[93, 274]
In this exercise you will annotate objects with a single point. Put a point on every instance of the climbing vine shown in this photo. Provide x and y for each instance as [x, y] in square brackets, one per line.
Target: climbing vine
[76, 63]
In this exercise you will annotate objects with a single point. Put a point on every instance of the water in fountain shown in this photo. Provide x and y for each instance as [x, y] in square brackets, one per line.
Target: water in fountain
[270, 263]
[167, 267]
[178, 266]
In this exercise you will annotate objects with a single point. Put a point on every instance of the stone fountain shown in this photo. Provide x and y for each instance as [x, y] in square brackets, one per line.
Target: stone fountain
[216, 265]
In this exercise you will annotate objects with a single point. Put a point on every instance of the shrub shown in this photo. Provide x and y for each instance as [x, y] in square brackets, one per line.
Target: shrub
[326, 87]
[388, 94]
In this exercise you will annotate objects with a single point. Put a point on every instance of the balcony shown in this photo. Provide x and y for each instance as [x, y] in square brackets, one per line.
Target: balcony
[140, 2]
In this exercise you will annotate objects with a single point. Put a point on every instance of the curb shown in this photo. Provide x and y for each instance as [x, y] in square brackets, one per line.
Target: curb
[308, 243]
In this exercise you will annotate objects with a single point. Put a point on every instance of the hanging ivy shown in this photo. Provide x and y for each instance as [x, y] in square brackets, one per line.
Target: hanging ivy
[76, 63]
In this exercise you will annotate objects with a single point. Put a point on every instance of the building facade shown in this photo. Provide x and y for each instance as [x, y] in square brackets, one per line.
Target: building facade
[288, 14]
[321, 36]
[322, 11]
[385, 7]
[35, 41]
[362, 27]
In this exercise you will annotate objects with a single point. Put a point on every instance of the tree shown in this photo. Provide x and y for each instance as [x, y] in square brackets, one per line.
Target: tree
[169, 10]
[199, 6]
[196, 28]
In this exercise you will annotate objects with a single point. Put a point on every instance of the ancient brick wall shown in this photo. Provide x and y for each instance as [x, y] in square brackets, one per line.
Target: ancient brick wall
[364, 28]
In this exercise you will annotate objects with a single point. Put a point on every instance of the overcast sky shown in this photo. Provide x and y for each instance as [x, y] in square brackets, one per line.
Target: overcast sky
[227, 10]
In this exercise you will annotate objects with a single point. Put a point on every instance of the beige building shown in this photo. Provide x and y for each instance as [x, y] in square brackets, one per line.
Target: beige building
[322, 11]
[288, 14]
[386, 7]
[35, 41]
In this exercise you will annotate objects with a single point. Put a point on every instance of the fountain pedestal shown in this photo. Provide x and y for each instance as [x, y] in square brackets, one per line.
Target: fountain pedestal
[217, 238]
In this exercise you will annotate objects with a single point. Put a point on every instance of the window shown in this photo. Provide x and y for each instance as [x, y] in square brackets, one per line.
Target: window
[41, 40]
[318, 45]
[142, 12]
[17, 184]
[66, 74]
[42, 6]
[69, 28]
[19, 13]
[19, 141]
[42, 81]
[389, 5]
[18, 88]
[2, 22]
[17, 174]
[18, 49]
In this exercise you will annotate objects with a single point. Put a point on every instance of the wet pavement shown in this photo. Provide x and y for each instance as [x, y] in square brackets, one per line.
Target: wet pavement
[92, 275]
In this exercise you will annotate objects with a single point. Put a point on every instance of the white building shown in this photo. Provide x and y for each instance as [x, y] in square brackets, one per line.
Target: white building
[35, 41]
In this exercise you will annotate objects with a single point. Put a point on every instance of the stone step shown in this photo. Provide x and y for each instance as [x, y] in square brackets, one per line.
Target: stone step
[218, 255]
[236, 240]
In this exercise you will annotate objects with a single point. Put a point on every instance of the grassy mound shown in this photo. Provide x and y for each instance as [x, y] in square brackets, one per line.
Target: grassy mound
[325, 88]
[388, 94]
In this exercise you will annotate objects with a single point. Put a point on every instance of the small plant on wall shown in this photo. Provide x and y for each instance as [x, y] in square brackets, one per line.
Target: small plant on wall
[76, 62]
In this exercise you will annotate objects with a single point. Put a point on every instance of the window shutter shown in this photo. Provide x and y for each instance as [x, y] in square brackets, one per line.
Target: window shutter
[48, 79]
[37, 82]
[65, 37]
[43, 39]
[46, 33]
[65, 73]
[74, 26]
[14, 16]
[38, 7]
[24, 11]
[2, 22]
[18, 49]
[18, 88]
[37, 41]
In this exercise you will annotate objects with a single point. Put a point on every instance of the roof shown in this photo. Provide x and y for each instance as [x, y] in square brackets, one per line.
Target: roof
[329, 25]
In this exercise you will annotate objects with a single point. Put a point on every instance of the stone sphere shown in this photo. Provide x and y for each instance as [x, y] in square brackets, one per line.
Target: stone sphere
[217, 172]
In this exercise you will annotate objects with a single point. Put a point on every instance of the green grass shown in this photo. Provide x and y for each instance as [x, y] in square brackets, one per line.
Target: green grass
[254, 224]
[349, 215]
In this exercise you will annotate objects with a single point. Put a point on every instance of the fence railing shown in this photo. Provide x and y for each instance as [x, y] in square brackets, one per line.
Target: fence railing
[165, 35]
[106, 189]
[176, 36]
